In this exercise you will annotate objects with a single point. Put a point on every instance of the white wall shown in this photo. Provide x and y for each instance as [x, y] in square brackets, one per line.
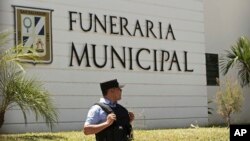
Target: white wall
[159, 99]
[225, 22]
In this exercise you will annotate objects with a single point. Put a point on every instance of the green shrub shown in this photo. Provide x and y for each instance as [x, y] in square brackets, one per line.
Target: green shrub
[229, 99]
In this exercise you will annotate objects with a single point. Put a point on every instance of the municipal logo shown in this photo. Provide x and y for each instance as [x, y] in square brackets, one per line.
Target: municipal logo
[33, 32]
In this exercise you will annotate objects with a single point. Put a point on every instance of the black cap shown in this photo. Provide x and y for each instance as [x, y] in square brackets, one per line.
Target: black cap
[110, 84]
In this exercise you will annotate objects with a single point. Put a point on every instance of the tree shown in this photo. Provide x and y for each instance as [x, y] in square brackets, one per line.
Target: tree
[16, 89]
[239, 55]
[229, 99]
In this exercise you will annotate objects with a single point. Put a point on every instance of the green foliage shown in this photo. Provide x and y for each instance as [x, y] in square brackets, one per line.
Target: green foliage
[238, 56]
[18, 90]
[14, 54]
[229, 99]
[27, 93]
[198, 134]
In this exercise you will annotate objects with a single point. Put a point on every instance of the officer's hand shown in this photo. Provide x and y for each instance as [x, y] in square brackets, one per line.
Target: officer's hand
[111, 118]
[131, 116]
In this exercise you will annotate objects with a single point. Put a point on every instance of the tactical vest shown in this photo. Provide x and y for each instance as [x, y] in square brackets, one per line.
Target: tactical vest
[121, 129]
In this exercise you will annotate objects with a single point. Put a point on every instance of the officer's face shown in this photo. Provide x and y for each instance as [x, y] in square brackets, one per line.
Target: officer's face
[118, 93]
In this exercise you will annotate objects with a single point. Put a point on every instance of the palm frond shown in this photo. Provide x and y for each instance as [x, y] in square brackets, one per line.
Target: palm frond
[29, 94]
[20, 90]
[239, 55]
[17, 54]
[244, 76]
[225, 65]
[20, 104]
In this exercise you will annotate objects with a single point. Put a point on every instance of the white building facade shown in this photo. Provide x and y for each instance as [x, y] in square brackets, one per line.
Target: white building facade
[156, 48]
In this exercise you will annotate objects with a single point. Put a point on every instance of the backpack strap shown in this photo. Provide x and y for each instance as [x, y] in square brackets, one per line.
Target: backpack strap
[105, 107]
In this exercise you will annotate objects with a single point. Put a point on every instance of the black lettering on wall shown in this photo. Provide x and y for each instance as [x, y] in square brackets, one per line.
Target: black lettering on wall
[174, 60]
[90, 22]
[71, 21]
[160, 30]
[149, 27]
[113, 25]
[186, 63]
[120, 26]
[163, 58]
[170, 31]
[138, 28]
[102, 25]
[79, 60]
[130, 59]
[95, 57]
[155, 60]
[138, 60]
[126, 58]
[123, 25]
[122, 61]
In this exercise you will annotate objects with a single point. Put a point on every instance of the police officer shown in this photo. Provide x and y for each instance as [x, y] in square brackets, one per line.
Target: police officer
[108, 120]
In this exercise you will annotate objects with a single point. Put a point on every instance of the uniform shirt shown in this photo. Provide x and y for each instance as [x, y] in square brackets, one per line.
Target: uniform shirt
[96, 115]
